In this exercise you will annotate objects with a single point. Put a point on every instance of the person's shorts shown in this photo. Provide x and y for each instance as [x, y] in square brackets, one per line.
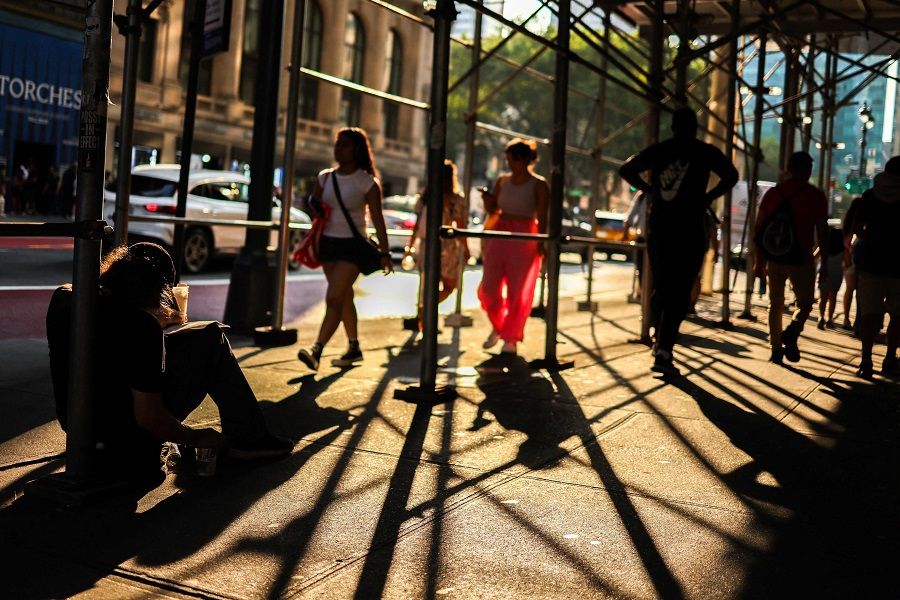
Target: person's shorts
[877, 294]
[333, 248]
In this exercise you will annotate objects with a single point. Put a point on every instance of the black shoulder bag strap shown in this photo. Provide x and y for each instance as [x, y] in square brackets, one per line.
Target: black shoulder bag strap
[337, 193]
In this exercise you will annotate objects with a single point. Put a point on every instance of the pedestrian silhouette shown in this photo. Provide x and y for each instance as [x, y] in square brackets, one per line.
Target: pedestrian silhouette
[679, 194]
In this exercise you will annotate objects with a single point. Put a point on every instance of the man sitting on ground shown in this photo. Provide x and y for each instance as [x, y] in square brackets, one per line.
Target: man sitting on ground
[146, 382]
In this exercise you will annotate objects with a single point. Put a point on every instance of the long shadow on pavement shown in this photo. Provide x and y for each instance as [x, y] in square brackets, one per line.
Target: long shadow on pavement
[843, 494]
[94, 542]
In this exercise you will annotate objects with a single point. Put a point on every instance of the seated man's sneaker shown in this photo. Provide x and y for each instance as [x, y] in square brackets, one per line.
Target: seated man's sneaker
[267, 445]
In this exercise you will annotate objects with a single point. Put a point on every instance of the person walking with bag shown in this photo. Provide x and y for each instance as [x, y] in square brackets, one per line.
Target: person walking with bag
[344, 250]
[792, 216]
[518, 203]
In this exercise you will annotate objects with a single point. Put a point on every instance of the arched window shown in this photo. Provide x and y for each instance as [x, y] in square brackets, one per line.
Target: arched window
[393, 64]
[312, 59]
[354, 51]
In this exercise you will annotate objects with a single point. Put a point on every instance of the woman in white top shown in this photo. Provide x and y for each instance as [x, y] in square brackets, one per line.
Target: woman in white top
[511, 267]
[339, 248]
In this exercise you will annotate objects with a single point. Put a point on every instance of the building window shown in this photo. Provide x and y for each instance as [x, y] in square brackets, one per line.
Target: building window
[312, 59]
[184, 65]
[146, 51]
[393, 65]
[354, 50]
[249, 51]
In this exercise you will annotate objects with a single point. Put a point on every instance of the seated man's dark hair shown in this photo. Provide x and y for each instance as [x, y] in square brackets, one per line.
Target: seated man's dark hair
[892, 166]
[140, 275]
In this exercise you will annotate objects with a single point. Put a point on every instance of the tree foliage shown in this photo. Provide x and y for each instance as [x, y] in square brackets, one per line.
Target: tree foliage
[524, 103]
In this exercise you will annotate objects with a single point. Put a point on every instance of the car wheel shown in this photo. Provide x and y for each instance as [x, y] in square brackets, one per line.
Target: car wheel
[293, 242]
[198, 249]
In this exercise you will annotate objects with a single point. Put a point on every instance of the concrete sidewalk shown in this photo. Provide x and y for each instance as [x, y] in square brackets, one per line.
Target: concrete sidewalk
[743, 479]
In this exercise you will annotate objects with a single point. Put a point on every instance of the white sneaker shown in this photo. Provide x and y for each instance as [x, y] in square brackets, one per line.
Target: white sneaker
[491, 340]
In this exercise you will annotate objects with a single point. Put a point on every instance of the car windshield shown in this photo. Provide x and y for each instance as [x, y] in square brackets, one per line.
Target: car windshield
[611, 223]
[403, 203]
[150, 187]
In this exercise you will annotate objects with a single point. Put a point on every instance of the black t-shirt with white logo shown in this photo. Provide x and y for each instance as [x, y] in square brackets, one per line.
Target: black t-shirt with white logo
[680, 170]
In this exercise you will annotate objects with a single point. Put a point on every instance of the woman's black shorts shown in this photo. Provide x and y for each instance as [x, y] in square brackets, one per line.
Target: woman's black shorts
[334, 248]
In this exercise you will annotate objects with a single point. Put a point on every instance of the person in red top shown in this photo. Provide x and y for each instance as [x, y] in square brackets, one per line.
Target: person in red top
[809, 210]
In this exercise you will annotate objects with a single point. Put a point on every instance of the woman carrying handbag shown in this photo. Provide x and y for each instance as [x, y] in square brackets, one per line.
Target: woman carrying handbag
[343, 249]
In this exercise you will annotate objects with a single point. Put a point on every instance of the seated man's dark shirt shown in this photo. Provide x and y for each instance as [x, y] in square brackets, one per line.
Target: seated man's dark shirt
[129, 353]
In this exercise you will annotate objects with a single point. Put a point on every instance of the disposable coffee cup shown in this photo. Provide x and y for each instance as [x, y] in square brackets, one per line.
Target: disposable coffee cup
[206, 462]
[180, 292]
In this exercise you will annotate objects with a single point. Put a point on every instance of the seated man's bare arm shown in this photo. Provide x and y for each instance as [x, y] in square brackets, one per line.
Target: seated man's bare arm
[152, 416]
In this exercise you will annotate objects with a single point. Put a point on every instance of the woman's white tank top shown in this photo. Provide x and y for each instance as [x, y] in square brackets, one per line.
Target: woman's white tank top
[518, 200]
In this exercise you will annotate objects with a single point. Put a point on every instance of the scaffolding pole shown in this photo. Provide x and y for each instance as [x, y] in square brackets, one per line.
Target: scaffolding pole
[557, 190]
[752, 191]
[427, 391]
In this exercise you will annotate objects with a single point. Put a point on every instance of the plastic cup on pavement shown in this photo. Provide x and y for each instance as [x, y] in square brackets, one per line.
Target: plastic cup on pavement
[206, 462]
[180, 292]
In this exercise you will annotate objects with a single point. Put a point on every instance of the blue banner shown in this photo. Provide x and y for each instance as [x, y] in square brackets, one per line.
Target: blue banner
[40, 95]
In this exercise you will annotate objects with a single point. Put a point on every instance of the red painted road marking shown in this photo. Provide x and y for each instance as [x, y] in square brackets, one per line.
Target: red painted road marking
[41, 243]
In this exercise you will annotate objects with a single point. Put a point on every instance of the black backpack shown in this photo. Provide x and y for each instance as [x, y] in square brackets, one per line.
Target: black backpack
[777, 238]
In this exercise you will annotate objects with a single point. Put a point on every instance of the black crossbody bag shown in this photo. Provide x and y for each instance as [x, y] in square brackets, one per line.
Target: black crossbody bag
[368, 257]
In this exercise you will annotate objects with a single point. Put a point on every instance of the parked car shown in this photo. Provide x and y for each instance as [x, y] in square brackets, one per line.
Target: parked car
[211, 194]
[399, 214]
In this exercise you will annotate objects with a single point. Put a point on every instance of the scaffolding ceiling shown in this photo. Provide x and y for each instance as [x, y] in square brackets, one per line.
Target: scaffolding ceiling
[864, 26]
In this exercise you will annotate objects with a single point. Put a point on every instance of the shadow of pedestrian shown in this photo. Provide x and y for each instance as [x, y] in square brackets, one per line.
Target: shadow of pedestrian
[833, 502]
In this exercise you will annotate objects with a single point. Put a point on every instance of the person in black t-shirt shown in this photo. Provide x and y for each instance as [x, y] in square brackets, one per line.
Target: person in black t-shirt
[876, 222]
[147, 381]
[680, 169]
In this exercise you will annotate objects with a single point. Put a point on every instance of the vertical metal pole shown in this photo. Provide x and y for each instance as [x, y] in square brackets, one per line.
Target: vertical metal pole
[599, 124]
[443, 15]
[789, 110]
[862, 146]
[823, 125]
[557, 178]
[681, 58]
[752, 188]
[652, 137]
[86, 261]
[126, 122]
[806, 136]
[290, 143]
[187, 136]
[471, 118]
[831, 86]
[730, 100]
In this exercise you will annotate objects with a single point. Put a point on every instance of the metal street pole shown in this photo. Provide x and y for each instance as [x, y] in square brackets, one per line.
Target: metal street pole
[752, 188]
[457, 319]
[557, 188]
[187, 136]
[132, 33]
[88, 207]
[248, 302]
[599, 124]
[443, 12]
[730, 100]
[275, 335]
